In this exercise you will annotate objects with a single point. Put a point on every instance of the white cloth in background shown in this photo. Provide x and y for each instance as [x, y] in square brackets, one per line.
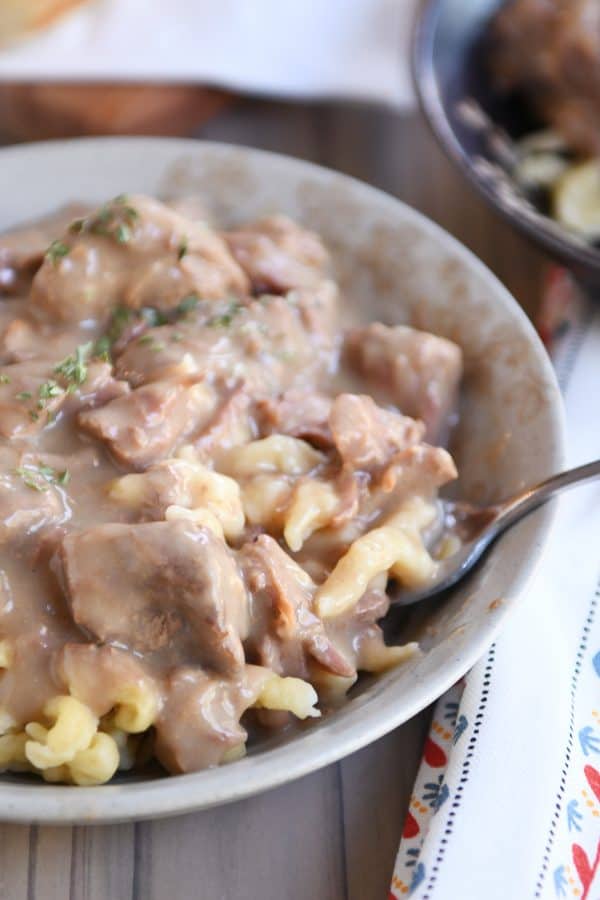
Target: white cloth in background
[355, 49]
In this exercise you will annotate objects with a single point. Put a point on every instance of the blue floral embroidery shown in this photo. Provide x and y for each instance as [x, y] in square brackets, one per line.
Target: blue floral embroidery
[436, 793]
[590, 743]
[560, 882]
[442, 796]
[461, 727]
[418, 877]
[413, 853]
[451, 711]
[573, 816]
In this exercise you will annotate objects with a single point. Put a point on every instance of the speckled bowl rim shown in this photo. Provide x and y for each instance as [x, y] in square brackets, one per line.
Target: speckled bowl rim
[336, 737]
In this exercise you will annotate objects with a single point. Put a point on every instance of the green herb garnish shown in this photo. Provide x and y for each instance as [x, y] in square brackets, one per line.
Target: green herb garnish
[24, 395]
[106, 221]
[47, 390]
[74, 368]
[29, 477]
[226, 318]
[150, 341]
[104, 214]
[183, 247]
[220, 321]
[102, 349]
[129, 211]
[56, 251]
[153, 316]
[77, 226]
[120, 318]
[39, 477]
[187, 304]
[50, 389]
[4, 379]
[123, 233]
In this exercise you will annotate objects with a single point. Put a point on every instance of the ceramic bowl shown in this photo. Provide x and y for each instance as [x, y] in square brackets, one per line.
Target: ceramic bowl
[395, 266]
[475, 125]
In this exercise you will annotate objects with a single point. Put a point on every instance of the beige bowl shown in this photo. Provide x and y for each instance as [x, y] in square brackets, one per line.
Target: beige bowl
[395, 266]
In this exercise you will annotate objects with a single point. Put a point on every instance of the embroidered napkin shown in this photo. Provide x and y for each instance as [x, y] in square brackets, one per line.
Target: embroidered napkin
[507, 799]
[292, 48]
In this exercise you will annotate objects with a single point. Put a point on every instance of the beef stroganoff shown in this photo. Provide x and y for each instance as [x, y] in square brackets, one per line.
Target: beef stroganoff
[207, 486]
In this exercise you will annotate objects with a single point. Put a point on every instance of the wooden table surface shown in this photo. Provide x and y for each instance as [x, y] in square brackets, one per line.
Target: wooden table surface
[332, 835]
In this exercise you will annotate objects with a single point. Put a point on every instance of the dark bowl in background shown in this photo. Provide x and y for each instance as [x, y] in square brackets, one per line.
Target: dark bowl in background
[450, 73]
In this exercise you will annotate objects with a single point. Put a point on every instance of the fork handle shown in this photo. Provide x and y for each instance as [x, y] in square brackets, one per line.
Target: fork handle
[521, 504]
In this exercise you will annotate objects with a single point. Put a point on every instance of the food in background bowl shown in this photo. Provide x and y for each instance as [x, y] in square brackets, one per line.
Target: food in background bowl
[548, 51]
[206, 485]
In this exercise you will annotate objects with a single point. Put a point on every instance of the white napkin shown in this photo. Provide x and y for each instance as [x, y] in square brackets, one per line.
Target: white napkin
[294, 48]
[507, 801]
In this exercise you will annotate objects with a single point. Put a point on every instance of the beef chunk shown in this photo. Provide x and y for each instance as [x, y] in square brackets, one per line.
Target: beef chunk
[302, 414]
[230, 425]
[32, 394]
[319, 309]
[268, 344]
[22, 250]
[277, 254]
[285, 633]
[167, 483]
[145, 425]
[367, 436]
[420, 469]
[200, 720]
[98, 388]
[158, 586]
[30, 497]
[26, 338]
[135, 252]
[416, 371]
[26, 401]
[172, 352]
[28, 683]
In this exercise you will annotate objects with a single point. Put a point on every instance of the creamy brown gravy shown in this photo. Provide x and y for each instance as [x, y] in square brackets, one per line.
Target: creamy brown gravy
[258, 350]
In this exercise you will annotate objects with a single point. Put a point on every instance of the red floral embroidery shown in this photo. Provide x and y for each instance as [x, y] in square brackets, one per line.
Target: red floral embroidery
[411, 826]
[434, 755]
[593, 777]
[585, 869]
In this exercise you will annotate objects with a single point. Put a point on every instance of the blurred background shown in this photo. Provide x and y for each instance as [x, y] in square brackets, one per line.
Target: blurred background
[325, 82]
